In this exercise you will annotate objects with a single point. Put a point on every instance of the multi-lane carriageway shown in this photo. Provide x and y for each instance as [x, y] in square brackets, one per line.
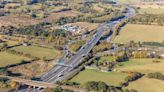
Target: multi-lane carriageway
[60, 72]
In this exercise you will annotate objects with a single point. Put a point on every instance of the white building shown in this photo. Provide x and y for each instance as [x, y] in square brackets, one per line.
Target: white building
[73, 29]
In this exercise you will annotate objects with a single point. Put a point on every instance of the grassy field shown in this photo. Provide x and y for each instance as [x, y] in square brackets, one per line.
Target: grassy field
[38, 51]
[9, 43]
[107, 58]
[8, 59]
[62, 14]
[147, 33]
[144, 8]
[151, 11]
[142, 65]
[76, 46]
[133, 62]
[129, 1]
[15, 21]
[112, 78]
[147, 85]
[88, 26]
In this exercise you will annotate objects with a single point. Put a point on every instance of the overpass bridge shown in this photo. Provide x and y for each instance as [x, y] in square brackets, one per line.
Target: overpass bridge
[63, 64]
[40, 84]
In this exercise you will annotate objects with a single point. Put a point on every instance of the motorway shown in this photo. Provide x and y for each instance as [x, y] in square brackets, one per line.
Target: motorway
[39, 83]
[59, 72]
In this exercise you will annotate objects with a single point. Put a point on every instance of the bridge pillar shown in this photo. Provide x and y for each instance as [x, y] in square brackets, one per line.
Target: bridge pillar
[39, 88]
[33, 89]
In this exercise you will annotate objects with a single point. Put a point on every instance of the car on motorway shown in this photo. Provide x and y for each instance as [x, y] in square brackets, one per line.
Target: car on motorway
[83, 55]
[60, 75]
[83, 47]
[96, 35]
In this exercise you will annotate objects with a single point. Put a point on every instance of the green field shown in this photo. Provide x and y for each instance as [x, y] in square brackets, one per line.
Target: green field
[133, 62]
[143, 33]
[107, 58]
[111, 78]
[75, 46]
[148, 9]
[38, 51]
[151, 11]
[147, 85]
[129, 1]
[9, 43]
[8, 59]
[142, 65]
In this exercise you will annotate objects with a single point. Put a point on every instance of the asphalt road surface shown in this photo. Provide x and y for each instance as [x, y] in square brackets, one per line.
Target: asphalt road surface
[58, 72]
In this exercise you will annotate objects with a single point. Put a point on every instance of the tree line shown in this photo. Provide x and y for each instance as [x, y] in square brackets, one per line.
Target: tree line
[34, 30]
[154, 43]
[90, 19]
[156, 75]
[99, 86]
[148, 19]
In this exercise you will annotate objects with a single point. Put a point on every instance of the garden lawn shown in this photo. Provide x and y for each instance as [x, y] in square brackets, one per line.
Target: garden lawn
[111, 78]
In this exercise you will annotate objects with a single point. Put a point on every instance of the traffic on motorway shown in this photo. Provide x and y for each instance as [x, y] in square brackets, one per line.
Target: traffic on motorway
[60, 72]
